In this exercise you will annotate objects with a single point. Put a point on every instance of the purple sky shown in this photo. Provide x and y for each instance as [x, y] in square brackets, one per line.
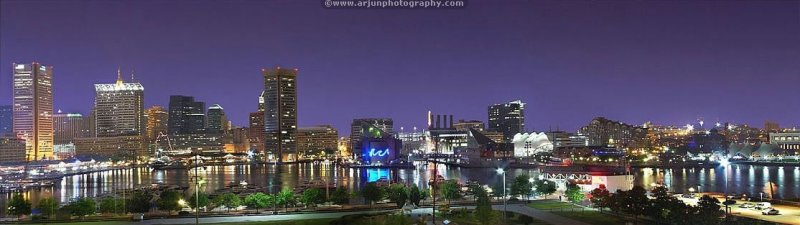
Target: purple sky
[670, 62]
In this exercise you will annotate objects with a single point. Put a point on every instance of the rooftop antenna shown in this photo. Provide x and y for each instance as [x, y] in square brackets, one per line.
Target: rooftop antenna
[133, 78]
[119, 76]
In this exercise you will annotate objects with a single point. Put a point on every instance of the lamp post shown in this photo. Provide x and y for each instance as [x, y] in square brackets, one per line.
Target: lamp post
[500, 171]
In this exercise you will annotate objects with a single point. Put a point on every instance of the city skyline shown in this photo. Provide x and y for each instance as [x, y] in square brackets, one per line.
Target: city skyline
[566, 82]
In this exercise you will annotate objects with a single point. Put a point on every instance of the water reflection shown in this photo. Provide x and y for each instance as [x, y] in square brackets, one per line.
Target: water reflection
[751, 180]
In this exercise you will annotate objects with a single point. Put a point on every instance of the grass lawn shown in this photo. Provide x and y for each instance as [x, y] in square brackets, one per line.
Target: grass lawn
[574, 212]
[89, 223]
[468, 218]
[552, 205]
[591, 217]
[282, 222]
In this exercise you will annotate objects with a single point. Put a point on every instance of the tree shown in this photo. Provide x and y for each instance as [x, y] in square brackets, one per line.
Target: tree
[709, 210]
[168, 200]
[473, 189]
[193, 201]
[521, 186]
[257, 201]
[372, 193]
[398, 194]
[47, 206]
[635, 201]
[111, 205]
[414, 195]
[340, 196]
[229, 200]
[140, 202]
[82, 207]
[312, 196]
[450, 190]
[285, 198]
[600, 197]
[19, 206]
[545, 187]
[574, 193]
[483, 209]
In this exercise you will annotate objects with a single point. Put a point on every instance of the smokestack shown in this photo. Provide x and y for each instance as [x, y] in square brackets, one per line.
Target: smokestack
[438, 121]
[451, 121]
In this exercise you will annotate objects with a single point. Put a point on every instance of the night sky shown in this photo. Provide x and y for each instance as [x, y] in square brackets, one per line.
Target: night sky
[670, 62]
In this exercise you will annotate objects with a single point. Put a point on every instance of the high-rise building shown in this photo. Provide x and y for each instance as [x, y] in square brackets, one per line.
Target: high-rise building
[69, 126]
[217, 121]
[610, 133]
[119, 108]
[157, 119]
[255, 132]
[33, 109]
[12, 149]
[465, 125]
[317, 142]
[771, 126]
[357, 130]
[186, 116]
[280, 113]
[261, 102]
[507, 118]
[6, 121]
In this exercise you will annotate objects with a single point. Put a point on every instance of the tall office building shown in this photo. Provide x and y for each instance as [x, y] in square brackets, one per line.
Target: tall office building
[261, 102]
[357, 131]
[317, 142]
[12, 149]
[280, 113]
[157, 119]
[119, 108]
[6, 122]
[33, 109]
[255, 132]
[217, 121]
[69, 126]
[507, 118]
[186, 116]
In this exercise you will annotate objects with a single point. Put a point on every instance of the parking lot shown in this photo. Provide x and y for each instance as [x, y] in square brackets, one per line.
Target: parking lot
[787, 215]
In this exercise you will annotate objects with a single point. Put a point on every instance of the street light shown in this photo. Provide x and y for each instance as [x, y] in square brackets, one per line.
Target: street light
[500, 171]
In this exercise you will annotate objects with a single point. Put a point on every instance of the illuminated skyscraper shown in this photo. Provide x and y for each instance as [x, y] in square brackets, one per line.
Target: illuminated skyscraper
[68, 126]
[255, 131]
[357, 130]
[33, 109]
[186, 116]
[217, 121]
[507, 118]
[6, 121]
[119, 108]
[156, 122]
[280, 115]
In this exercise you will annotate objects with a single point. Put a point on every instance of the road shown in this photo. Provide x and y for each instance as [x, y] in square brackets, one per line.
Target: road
[788, 214]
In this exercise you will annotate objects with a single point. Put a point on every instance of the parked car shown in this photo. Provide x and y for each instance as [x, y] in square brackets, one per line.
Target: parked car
[770, 211]
[687, 195]
[747, 205]
[763, 205]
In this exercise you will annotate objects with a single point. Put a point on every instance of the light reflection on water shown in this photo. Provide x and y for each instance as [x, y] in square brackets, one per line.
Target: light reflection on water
[734, 178]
